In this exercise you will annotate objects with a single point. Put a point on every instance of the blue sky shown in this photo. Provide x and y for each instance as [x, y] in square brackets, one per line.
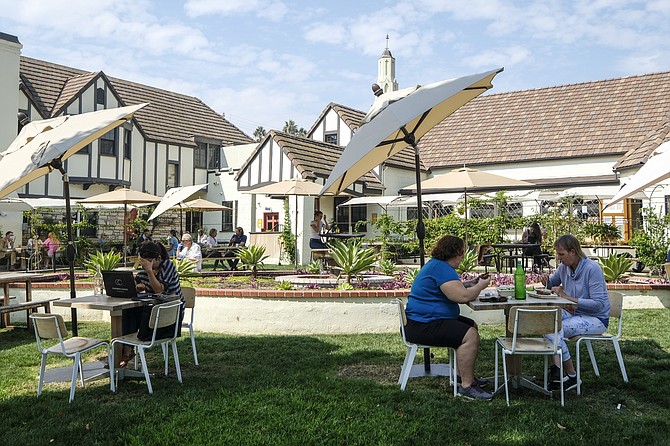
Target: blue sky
[262, 62]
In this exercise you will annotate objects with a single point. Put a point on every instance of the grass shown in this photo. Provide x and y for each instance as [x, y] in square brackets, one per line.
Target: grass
[334, 390]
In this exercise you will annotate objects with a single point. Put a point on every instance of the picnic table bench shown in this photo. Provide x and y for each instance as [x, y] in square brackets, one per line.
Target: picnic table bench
[28, 307]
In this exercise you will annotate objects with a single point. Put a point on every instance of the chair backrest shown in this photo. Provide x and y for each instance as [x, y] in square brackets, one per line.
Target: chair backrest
[402, 316]
[49, 326]
[164, 314]
[616, 307]
[189, 296]
[534, 321]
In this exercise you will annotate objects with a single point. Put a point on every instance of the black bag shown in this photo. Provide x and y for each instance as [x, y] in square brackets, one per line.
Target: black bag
[145, 332]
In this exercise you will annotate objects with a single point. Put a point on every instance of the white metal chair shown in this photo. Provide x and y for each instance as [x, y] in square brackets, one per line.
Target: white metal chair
[616, 306]
[536, 321]
[412, 348]
[162, 315]
[52, 326]
[189, 303]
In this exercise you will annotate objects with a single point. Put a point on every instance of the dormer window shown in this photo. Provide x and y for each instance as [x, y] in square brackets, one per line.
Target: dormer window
[330, 138]
[100, 96]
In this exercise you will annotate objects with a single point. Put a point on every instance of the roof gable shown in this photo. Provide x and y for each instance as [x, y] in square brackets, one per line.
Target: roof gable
[170, 117]
[599, 118]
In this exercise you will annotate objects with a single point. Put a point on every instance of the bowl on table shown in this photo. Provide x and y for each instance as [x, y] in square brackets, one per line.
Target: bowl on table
[505, 290]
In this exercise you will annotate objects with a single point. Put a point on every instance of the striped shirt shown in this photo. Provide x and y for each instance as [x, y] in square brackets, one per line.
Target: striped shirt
[167, 275]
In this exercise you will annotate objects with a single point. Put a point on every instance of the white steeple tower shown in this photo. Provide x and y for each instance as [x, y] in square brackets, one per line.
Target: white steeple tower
[386, 70]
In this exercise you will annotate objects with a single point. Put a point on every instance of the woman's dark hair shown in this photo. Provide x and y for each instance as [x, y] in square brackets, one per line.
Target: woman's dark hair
[153, 250]
[448, 247]
[537, 232]
[173, 232]
[569, 242]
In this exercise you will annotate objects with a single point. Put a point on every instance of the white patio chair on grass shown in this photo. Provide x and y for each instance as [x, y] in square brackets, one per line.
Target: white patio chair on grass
[536, 321]
[162, 315]
[52, 326]
[412, 348]
[189, 303]
[616, 310]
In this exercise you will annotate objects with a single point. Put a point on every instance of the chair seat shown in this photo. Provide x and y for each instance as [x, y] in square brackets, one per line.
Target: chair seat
[528, 345]
[132, 339]
[76, 344]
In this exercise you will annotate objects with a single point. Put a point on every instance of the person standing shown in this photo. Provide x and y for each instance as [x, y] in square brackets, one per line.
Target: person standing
[318, 225]
[8, 249]
[433, 312]
[52, 244]
[580, 280]
[173, 243]
[237, 241]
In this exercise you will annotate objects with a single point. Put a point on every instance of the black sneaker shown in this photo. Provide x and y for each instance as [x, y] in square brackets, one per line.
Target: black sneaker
[570, 383]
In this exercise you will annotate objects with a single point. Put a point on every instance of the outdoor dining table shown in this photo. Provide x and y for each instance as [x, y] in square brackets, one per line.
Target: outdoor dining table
[115, 307]
[13, 277]
[515, 251]
[343, 235]
[514, 364]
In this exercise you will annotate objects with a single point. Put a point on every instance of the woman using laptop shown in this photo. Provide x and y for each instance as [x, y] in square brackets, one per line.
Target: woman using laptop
[158, 276]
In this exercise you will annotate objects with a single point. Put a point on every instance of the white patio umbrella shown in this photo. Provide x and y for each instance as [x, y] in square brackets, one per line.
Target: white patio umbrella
[399, 119]
[200, 204]
[294, 186]
[655, 170]
[42, 146]
[14, 205]
[469, 180]
[173, 197]
[125, 197]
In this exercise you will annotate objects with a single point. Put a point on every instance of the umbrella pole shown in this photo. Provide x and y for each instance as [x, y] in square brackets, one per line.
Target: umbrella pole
[420, 227]
[296, 234]
[70, 250]
[466, 218]
[125, 234]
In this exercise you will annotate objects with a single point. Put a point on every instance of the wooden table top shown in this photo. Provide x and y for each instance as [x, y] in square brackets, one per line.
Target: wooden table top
[511, 302]
[99, 302]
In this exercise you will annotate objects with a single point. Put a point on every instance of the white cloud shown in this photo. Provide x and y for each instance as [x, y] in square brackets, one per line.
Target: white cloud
[500, 57]
[269, 9]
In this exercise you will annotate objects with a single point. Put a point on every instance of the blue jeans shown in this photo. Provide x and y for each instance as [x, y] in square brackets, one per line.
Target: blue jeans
[576, 325]
[315, 243]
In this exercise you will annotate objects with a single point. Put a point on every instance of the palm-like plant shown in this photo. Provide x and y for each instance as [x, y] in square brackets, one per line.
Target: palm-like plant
[468, 263]
[184, 266]
[102, 261]
[352, 258]
[615, 266]
[252, 257]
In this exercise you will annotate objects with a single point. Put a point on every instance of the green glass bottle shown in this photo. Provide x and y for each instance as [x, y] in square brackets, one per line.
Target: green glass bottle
[519, 282]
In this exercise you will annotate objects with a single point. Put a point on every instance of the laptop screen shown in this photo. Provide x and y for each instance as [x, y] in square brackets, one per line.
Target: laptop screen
[119, 283]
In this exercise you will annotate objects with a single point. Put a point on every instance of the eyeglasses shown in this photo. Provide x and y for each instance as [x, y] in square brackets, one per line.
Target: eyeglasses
[493, 299]
[186, 240]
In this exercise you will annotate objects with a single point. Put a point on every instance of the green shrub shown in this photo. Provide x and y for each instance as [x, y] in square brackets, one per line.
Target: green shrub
[313, 267]
[252, 258]
[103, 261]
[387, 267]
[284, 285]
[615, 266]
[468, 263]
[352, 258]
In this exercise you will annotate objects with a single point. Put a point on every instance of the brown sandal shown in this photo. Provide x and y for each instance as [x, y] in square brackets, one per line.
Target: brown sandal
[126, 358]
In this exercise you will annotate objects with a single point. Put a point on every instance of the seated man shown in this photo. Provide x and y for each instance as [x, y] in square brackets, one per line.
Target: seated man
[191, 251]
[8, 250]
[238, 240]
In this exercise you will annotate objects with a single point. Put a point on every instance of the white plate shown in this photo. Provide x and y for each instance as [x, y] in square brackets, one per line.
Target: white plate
[541, 296]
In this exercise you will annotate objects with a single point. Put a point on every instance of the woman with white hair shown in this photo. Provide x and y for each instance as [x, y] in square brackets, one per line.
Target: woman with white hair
[191, 251]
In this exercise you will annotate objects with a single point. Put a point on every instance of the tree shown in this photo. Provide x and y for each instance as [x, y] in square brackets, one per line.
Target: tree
[291, 128]
[259, 133]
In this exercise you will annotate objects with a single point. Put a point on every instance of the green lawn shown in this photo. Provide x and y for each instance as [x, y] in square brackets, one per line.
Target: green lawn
[335, 390]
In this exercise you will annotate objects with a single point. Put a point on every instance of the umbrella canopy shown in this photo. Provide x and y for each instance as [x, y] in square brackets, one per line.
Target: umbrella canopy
[174, 196]
[398, 120]
[200, 204]
[596, 192]
[466, 179]
[655, 170]
[125, 197]
[294, 186]
[42, 146]
[31, 154]
[14, 205]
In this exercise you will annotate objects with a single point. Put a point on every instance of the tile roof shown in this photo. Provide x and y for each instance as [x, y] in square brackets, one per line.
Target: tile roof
[308, 156]
[171, 117]
[354, 119]
[607, 117]
[640, 154]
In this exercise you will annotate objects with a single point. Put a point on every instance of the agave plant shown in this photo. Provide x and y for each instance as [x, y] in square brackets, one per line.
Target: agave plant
[411, 275]
[468, 263]
[185, 268]
[352, 258]
[615, 266]
[313, 267]
[387, 267]
[102, 261]
[252, 257]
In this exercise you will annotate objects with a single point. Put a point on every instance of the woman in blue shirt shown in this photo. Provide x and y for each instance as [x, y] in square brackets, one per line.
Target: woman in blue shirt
[433, 312]
[580, 280]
